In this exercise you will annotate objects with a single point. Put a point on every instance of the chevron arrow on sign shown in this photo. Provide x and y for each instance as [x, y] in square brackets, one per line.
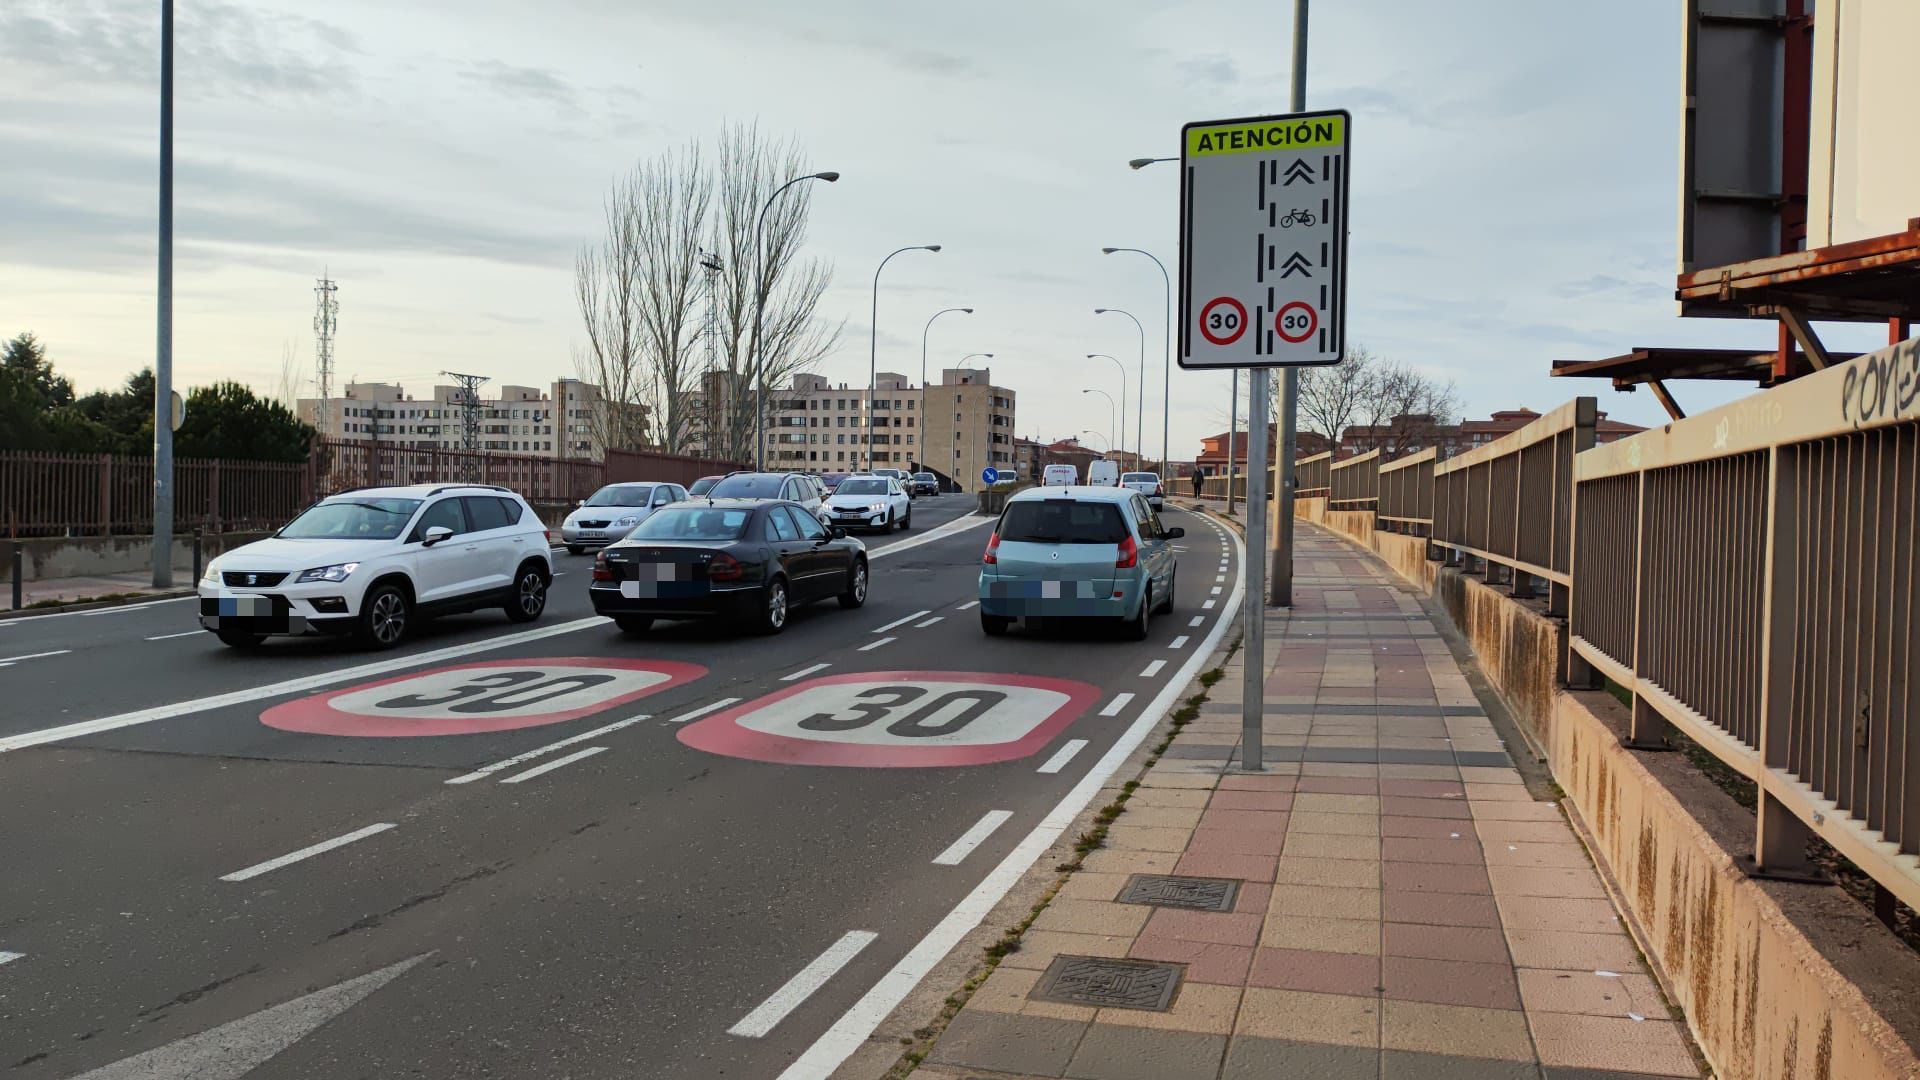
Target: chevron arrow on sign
[1296, 264]
[1299, 170]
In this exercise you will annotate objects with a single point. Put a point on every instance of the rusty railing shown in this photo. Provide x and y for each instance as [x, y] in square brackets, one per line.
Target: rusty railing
[54, 494]
[1355, 482]
[1510, 502]
[342, 464]
[1313, 477]
[1751, 575]
[1406, 494]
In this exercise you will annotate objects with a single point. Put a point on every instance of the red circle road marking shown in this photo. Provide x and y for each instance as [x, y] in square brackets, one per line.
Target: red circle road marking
[1280, 322]
[1233, 332]
[488, 695]
[897, 720]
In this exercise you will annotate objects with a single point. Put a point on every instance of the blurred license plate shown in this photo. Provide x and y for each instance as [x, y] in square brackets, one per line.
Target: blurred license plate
[658, 580]
[245, 606]
[1040, 590]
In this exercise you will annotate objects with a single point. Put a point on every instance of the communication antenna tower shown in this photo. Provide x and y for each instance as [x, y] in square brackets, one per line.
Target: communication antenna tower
[326, 318]
[469, 398]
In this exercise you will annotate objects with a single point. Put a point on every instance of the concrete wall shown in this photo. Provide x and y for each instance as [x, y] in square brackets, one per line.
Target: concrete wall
[1515, 643]
[89, 556]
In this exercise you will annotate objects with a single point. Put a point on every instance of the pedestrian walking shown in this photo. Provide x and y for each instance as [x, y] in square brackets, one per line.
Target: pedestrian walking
[1196, 483]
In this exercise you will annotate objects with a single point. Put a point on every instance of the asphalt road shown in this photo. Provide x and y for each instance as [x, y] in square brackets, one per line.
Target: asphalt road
[705, 855]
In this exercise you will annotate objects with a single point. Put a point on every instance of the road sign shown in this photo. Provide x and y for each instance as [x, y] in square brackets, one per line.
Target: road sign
[897, 719]
[491, 695]
[1263, 241]
[990, 475]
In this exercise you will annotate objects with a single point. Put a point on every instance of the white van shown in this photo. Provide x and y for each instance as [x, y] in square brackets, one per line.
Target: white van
[1059, 476]
[1103, 473]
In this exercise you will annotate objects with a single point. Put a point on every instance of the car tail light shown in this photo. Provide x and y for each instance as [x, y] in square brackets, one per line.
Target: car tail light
[724, 567]
[1159, 489]
[992, 557]
[548, 533]
[601, 571]
[1129, 554]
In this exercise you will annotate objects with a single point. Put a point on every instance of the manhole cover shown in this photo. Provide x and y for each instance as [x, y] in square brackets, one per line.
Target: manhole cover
[1167, 890]
[1109, 983]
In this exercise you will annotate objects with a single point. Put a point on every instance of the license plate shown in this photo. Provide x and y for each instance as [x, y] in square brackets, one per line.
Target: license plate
[1039, 590]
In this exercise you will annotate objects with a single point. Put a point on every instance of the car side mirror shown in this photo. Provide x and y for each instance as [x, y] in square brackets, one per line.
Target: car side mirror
[435, 534]
[838, 533]
[582, 502]
[1176, 533]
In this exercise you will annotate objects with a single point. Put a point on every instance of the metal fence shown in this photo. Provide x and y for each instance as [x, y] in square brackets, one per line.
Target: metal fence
[1355, 482]
[1313, 476]
[627, 466]
[1510, 502]
[1751, 575]
[341, 464]
[1406, 493]
[48, 494]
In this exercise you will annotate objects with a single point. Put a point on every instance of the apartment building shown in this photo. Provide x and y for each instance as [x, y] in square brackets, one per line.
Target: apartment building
[555, 422]
[955, 427]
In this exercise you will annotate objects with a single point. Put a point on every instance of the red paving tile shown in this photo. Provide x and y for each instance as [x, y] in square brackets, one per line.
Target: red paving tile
[1424, 826]
[1253, 897]
[1450, 982]
[1242, 782]
[1435, 877]
[1243, 819]
[1206, 962]
[1316, 972]
[1251, 800]
[1256, 868]
[1424, 789]
[1433, 849]
[1401, 806]
[1237, 841]
[1476, 944]
[1444, 909]
[1339, 785]
[1218, 928]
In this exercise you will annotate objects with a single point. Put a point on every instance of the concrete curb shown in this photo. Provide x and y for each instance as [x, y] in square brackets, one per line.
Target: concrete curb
[93, 605]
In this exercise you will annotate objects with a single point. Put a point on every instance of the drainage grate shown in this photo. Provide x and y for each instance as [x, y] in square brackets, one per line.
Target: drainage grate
[1168, 890]
[1109, 983]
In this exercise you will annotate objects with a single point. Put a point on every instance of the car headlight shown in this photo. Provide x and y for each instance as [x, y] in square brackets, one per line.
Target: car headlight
[876, 506]
[210, 575]
[336, 572]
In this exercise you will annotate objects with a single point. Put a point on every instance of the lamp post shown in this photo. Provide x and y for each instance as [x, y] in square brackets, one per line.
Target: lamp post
[759, 373]
[1103, 438]
[1110, 414]
[162, 549]
[1166, 360]
[1136, 164]
[873, 343]
[923, 372]
[1140, 412]
[988, 410]
[1123, 397]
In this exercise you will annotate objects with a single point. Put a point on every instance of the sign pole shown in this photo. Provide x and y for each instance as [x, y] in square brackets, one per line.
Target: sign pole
[1290, 378]
[1253, 687]
[163, 345]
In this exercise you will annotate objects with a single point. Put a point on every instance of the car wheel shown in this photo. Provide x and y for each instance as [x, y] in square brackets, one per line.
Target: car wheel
[907, 522]
[633, 624]
[383, 616]
[529, 595]
[994, 625]
[774, 608]
[1138, 626]
[1173, 580]
[574, 549]
[239, 639]
[856, 594]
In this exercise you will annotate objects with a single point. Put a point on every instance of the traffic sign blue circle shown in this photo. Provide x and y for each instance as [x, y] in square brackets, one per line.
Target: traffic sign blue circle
[990, 475]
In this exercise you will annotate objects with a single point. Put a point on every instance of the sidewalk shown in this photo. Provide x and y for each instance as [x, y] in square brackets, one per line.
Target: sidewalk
[1398, 906]
[76, 589]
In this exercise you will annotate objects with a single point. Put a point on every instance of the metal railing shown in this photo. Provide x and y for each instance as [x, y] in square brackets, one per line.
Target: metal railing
[51, 494]
[341, 464]
[1355, 482]
[1751, 576]
[1510, 502]
[1313, 476]
[1406, 493]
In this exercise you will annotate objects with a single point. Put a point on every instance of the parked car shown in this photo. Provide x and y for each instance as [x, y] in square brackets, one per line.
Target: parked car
[1147, 484]
[612, 512]
[791, 486]
[1103, 473]
[924, 484]
[371, 562]
[748, 559]
[1078, 552]
[1059, 476]
[703, 485]
[870, 502]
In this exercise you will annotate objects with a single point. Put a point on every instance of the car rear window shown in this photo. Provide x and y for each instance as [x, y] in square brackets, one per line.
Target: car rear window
[1140, 478]
[694, 523]
[1063, 521]
[752, 486]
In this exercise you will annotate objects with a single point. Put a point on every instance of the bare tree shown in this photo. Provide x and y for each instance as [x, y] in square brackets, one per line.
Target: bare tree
[1332, 398]
[1370, 391]
[608, 286]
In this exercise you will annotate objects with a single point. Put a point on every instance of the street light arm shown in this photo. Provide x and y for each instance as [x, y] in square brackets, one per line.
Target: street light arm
[757, 373]
[923, 374]
[1166, 364]
[873, 342]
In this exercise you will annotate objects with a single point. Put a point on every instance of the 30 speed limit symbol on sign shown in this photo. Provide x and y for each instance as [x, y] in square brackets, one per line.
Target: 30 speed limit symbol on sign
[1223, 320]
[491, 695]
[898, 719]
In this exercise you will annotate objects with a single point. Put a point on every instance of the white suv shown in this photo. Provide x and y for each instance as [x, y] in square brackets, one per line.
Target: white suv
[870, 502]
[368, 561]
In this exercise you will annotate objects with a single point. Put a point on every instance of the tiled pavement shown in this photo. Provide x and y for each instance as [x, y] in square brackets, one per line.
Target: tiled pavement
[1407, 909]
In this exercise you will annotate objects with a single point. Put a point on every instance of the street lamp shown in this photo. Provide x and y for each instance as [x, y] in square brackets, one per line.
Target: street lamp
[1166, 360]
[1139, 436]
[873, 343]
[923, 373]
[1103, 438]
[1123, 397]
[1110, 413]
[1139, 163]
[759, 307]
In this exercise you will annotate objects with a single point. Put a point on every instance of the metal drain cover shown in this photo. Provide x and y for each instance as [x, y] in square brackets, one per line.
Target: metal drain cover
[1168, 890]
[1109, 983]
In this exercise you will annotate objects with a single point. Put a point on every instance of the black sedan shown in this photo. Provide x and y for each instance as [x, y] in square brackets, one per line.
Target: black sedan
[750, 560]
[924, 484]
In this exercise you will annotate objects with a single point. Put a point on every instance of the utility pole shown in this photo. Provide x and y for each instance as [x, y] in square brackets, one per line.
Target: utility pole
[163, 343]
[469, 420]
[1282, 576]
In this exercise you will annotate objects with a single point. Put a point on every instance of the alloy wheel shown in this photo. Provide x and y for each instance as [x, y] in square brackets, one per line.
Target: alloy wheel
[533, 592]
[777, 605]
[389, 617]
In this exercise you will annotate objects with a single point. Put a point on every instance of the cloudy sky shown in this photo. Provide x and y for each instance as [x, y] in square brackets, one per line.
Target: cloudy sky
[1514, 178]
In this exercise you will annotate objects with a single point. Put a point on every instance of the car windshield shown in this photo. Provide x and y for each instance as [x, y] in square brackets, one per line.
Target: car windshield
[352, 519]
[1140, 478]
[703, 485]
[622, 495]
[749, 486]
[694, 523]
[862, 486]
[1062, 521]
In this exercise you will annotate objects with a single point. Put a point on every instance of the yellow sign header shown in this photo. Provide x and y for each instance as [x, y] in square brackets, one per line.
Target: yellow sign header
[1267, 136]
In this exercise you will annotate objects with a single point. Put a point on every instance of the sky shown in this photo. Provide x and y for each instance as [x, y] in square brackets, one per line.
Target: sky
[1513, 201]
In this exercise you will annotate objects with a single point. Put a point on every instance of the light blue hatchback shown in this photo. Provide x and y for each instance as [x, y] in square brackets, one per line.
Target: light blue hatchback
[1077, 552]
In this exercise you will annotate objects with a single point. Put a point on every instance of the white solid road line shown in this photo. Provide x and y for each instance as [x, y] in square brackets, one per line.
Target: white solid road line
[929, 622]
[556, 763]
[1178, 643]
[703, 710]
[876, 644]
[810, 978]
[9, 957]
[9, 661]
[851, 1031]
[1153, 669]
[804, 672]
[900, 622]
[1119, 702]
[968, 604]
[320, 848]
[1196, 620]
[1059, 761]
[170, 637]
[289, 686]
[518, 759]
[958, 850]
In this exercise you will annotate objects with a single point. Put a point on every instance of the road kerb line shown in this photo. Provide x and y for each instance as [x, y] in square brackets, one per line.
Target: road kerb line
[703, 710]
[1066, 753]
[542, 751]
[1153, 669]
[804, 672]
[556, 763]
[901, 622]
[1178, 643]
[320, 848]
[765, 1017]
[958, 850]
[1118, 703]
[870, 646]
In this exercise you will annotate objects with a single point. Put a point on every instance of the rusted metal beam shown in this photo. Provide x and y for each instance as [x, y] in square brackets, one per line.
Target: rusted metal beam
[1802, 332]
[1666, 400]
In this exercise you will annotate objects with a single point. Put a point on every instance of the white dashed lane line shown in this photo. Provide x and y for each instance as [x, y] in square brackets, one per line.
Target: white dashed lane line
[1059, 760]
[870, 646]
[703, 710]
[804, 672]
[799, 988]
[10, 957]
[1118, 703]
[1216, 590]
[556, 763]
[1153, 669]
[972, 838]
[9, 661]
[1178, 643]
[1208, 606]
[520, 759]
[1196, 620]
[929, 622]
[320, 848]
[170, 637]
[900, 622]
[969, 604]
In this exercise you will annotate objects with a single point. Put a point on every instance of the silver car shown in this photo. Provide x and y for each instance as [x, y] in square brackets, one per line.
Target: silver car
[612, 512]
